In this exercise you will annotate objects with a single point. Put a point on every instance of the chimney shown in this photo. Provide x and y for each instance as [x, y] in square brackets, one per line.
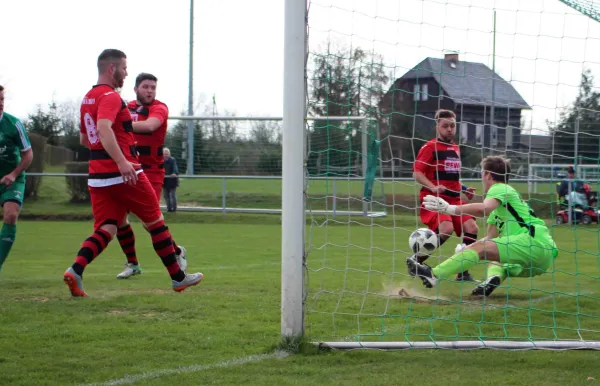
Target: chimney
[451, 58]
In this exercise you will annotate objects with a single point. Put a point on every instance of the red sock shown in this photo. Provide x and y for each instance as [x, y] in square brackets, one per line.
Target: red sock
[163, 245]
[127, 241]
[90, 249]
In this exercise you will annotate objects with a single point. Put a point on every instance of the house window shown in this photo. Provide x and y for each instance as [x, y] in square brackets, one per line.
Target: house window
[479, 134]
[416, 92]
[494, 135]
[424, 92]
[509, 136]
[464, 132]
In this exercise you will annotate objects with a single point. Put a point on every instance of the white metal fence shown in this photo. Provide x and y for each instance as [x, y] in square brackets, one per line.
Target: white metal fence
[225, 191]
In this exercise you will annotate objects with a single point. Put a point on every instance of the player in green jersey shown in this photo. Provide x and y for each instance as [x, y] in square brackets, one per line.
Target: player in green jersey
[15, 157]
[518, 244]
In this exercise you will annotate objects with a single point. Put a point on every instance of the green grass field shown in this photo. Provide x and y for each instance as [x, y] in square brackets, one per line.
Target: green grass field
[225, 331]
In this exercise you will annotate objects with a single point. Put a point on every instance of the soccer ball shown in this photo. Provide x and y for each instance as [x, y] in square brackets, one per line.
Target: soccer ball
[423, 241]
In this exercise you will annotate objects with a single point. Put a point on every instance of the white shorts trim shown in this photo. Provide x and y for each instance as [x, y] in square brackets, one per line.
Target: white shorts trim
[103, 182]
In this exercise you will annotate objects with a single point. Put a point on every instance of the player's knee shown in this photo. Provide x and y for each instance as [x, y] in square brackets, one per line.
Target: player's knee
[481, 247]
[124, 223]
[10, 217]
[109, 228]
[446, 229]
[11, 212]
[470, 227]
[149, 224]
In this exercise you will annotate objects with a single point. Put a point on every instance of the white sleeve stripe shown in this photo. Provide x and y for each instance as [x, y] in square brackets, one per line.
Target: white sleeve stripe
[21, 131]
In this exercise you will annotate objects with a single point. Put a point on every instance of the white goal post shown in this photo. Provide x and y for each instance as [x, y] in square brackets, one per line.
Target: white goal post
[293, 168]
[293, 149]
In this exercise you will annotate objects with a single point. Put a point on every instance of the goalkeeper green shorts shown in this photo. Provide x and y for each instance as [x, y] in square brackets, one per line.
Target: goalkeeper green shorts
[12, 193]
[525, 256]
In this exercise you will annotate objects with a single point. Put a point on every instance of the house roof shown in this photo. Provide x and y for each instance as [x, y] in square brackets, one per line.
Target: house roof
[468, 83]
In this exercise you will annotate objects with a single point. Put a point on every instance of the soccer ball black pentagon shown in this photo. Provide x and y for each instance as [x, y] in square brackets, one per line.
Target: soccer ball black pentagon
[423, 241]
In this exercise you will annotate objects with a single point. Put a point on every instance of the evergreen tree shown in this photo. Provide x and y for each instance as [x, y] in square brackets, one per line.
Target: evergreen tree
[586, 108]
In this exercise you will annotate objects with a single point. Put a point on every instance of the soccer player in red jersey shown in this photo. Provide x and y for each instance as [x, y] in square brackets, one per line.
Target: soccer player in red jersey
[149, 117]
[116, 180]
[437, 170]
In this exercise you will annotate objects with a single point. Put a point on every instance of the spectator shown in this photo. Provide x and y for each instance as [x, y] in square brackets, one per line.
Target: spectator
[171, 180]
[576, 194]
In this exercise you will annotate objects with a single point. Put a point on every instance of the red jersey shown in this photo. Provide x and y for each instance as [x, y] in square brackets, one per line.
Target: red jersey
[150, 145]
[440, 162]
[103, 102]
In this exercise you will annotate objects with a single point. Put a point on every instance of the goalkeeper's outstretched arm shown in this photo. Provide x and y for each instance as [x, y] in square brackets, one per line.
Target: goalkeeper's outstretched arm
[437, 204]
[478, 209]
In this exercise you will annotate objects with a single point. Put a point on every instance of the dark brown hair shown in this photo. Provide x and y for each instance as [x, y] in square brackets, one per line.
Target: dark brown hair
[109, 56]
[441, 114]
[498, 166]
[144, 76]
[1, 87]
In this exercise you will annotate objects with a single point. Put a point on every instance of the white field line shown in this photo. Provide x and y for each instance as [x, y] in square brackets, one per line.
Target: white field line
[128, 379]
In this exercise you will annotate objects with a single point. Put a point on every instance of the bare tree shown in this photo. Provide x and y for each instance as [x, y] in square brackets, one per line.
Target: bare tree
[265, 132]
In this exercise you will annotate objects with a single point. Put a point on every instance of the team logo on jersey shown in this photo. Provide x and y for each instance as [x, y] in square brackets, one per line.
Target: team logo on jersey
[452, 164]
[2, 149]
[17, 194]
[499, 223]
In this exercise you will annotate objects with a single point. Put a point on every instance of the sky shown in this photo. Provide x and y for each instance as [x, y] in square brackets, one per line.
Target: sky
[52, 51]
[50, 47]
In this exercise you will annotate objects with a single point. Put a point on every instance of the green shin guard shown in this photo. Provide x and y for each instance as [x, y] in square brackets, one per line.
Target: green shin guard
[7, 239]
[458, 263]
[496, 270]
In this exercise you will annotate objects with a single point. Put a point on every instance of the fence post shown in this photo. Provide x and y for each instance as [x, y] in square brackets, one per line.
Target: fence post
[365, 150]
[334, 197]
[224, 195]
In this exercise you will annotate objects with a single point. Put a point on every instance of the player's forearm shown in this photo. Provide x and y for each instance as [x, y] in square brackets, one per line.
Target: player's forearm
[26, 158]
[109, 142]
[422, 180]
[141, 127]
[476, 209]
[148, 126]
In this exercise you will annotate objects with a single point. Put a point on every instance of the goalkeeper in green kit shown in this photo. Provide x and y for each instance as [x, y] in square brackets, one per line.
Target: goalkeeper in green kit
[518, 244]
[15, 156]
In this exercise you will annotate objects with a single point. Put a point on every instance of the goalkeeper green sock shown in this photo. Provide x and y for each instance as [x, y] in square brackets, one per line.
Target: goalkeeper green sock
[496, 270]
[456, 264]
[7, 238]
